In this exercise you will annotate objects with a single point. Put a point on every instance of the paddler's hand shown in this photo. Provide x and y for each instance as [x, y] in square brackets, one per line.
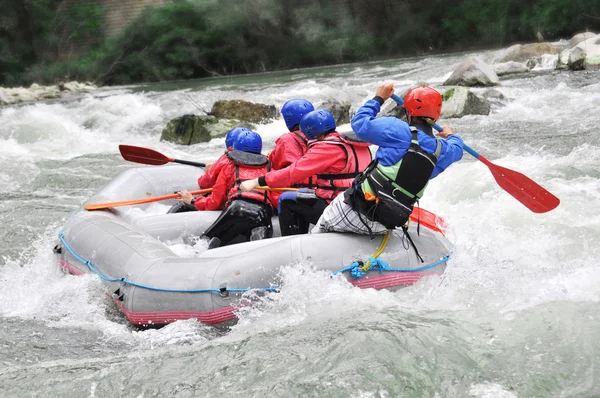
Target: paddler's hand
[446, 131]
[249, 185]
[208, 166]
[185, 196]
[385, 91]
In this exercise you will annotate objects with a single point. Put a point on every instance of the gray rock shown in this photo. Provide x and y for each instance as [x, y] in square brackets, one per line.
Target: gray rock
[576, 59]
[460, 101]
[193, 129]
[510, 67]
[472, 72]
[391, 108]
[244, 111]
[579, 37]
[525, 52]
[492, 93]
[585, 55]
[340, 112]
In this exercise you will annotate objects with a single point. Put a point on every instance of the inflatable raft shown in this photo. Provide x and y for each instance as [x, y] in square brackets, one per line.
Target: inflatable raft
[151, 285]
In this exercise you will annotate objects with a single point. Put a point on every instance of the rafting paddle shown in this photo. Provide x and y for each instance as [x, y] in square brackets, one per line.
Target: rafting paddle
[142, 155]
[107, 205]
[100, 206]
[524, 189]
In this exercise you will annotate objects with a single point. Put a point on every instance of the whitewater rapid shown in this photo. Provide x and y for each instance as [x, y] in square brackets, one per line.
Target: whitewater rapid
[515, 313]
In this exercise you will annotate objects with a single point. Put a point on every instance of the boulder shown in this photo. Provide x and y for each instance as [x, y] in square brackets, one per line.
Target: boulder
[510, 67]
[472, 72]
[391, 108]
[584, 55]
[579, 37]
[576, 59]
[493, 94]
[76, 87]
[340, 112]
[244, 111]
[193, 129]
[525, 52]
[460, 101]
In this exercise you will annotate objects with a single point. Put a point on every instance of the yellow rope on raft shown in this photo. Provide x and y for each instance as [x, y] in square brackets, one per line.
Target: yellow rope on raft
[380, 250]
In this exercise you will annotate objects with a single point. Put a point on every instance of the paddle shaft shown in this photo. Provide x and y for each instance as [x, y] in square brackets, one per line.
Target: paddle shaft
[100, 206]
[189, 163]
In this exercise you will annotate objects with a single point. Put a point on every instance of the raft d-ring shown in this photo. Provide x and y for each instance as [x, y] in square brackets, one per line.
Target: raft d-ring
[223, 291]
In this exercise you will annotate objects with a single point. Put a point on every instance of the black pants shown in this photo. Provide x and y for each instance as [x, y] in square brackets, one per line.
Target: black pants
[295, 216]
[240, 221]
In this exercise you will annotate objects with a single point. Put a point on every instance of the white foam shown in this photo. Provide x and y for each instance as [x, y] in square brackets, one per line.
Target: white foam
[507, 259]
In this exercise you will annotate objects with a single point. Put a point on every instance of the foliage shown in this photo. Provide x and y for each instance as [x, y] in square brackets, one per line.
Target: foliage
[31, 34]
[196, 38]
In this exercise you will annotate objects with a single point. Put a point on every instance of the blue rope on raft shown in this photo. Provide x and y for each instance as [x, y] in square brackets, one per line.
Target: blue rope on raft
[89, 264]
[356, 269]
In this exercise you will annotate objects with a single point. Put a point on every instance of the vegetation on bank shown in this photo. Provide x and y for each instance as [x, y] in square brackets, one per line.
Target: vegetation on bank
[198, 38]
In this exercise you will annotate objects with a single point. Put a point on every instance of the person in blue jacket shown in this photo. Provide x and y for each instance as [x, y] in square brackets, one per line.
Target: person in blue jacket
[409, 155]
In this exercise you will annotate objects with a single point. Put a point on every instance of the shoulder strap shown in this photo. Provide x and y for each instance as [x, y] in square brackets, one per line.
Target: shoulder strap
[300, 137]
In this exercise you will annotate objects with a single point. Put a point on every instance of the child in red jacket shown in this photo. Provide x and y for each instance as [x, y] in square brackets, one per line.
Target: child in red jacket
[247, 215]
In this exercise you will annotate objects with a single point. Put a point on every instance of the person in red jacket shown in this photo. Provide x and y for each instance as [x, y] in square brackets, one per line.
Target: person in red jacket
[247, 215]
[208, 179]
[291, 146]
[333, 158]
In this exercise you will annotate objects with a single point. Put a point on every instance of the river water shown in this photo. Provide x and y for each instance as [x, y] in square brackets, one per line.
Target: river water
[515, 314]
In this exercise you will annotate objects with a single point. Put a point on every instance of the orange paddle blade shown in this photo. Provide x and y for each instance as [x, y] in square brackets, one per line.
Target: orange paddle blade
[100, 206]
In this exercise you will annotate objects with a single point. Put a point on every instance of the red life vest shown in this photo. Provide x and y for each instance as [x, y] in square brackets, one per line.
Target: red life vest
[310, 182]
[358, 155]
[247, 167]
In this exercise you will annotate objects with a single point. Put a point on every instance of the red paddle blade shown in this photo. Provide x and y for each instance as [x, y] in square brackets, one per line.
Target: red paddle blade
[535, 197]
[428, 220]
[138, 154]
[100, 206]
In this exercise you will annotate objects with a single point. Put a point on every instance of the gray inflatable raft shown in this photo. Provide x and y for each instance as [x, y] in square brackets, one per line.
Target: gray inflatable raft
[151, 285]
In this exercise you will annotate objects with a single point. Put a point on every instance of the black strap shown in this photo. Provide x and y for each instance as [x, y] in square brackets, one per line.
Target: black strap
[405, 230]
[333, 177]
[304, 140]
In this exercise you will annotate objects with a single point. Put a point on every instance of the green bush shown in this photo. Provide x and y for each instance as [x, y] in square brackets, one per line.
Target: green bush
[198, 38]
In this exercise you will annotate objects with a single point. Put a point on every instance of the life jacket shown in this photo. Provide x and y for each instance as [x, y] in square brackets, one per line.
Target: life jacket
[358, 157]
[309, 182]
[396, 188]
[248, 166]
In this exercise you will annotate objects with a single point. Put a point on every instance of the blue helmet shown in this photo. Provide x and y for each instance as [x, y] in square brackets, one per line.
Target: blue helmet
[248, 141]
[293, 110]
[232, 135]
[316, 123]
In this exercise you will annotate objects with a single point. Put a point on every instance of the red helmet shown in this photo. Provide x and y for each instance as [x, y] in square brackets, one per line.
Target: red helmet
[423, 101]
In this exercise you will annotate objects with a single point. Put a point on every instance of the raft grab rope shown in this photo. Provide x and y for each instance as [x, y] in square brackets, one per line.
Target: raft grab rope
[220, 291]
[358, 269]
